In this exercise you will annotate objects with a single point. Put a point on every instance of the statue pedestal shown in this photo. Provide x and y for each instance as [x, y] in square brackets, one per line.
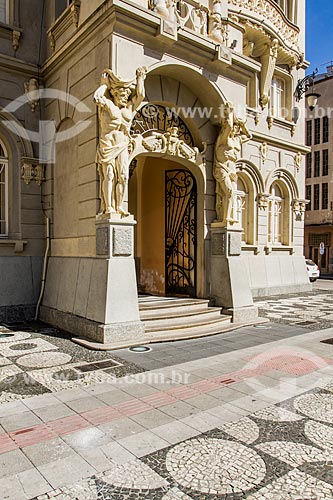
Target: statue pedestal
[117, 308]
[230, 287]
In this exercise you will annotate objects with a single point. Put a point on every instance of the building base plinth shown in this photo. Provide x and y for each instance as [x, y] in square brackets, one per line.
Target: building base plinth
[230, 286]
[242, 314]
[131, 331]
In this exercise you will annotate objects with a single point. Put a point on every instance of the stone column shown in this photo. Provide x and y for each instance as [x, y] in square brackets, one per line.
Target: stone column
[118, 310]
[230, 287]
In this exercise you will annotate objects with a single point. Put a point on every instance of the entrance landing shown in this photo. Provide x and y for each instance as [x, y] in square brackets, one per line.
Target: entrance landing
[168, 319]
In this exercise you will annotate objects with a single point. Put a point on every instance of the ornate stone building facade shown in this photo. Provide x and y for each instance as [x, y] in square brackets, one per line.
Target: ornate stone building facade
[198, 184]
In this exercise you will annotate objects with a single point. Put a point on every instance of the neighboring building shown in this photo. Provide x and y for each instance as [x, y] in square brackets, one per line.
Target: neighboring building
[198, 57]
[319, 175]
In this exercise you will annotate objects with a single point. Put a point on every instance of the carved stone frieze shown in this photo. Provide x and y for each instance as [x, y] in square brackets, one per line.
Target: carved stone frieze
[168, 143]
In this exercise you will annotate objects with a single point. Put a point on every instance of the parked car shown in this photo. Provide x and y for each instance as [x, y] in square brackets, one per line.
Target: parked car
[313, 270]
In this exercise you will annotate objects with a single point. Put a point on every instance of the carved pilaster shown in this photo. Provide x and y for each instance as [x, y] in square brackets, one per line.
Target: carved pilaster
[268, 61]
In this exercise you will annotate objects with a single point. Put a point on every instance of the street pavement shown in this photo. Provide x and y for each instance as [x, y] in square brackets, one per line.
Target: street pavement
[243, 415]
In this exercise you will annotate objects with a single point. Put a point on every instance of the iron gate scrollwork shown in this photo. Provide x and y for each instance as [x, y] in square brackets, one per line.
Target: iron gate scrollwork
[180, 232]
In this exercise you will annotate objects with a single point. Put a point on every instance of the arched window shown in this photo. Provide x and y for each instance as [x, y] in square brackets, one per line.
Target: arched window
[3, 191]
[277, 216]
[242, 208]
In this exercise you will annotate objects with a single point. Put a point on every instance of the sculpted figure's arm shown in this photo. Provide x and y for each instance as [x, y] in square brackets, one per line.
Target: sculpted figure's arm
[245, 134]
[140, 87]
[99, 95]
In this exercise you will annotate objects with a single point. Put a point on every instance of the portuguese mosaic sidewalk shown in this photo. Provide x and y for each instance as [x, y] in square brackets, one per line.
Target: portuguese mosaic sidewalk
[253, 421]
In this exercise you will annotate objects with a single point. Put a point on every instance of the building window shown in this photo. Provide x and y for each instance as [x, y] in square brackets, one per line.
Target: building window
[3, 192]
[324, 196]
[325, 162]
[309, 133]
[308, 193]
[325, 129]
[277, 100]
[308, 165]
[316, 239]
[276, 216]
[242, 208]
[317, 131]
[316, 197]
[4, 11]
[316, 164]
[60, 6]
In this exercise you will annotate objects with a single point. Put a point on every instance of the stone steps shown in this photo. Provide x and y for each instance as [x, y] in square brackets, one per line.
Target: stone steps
[176, 317]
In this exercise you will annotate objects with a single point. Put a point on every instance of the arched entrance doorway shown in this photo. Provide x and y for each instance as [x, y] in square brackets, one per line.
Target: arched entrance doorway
[163, 197]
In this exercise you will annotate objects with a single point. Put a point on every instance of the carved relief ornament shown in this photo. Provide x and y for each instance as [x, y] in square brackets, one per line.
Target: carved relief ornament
[268, 61]
[263, 201]
[167, 143]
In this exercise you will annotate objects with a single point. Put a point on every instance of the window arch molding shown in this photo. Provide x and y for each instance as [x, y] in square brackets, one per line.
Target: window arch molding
[17, 146]
[253, 184]
[286, 178]
[279, 214]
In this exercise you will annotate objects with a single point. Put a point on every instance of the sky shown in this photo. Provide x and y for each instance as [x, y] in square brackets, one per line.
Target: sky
[319, 33]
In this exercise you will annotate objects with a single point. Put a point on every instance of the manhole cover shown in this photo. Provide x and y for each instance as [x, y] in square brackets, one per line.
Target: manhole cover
[6, 335]
[140, 348]
[98, 365]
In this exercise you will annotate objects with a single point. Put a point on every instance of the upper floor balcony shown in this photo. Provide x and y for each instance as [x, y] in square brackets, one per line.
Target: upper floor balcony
[236, 23]
[276, 17]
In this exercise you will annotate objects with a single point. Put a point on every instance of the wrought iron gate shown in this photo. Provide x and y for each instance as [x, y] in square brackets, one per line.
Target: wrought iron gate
[180, 233]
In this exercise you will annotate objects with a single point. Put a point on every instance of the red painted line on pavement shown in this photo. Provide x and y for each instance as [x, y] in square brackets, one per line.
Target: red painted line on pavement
[290, 363]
